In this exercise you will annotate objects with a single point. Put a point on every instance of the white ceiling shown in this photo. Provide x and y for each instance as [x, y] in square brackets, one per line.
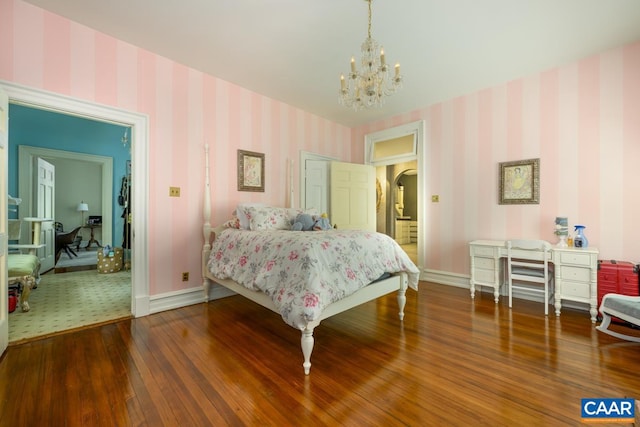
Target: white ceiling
[295, 50]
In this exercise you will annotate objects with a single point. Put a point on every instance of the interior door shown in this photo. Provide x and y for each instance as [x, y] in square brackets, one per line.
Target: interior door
[4, 291]
[353, 196]
[316, 185]
[45, 202]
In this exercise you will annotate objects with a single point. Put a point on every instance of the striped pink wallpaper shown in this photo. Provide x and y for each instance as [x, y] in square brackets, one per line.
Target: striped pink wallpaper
[582, 120]
[186, 109]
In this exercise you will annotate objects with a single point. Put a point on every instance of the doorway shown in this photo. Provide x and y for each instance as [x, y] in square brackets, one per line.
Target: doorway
[402, 210]
[399, 155]
[138, 124]
[77, 169]
[78, 179]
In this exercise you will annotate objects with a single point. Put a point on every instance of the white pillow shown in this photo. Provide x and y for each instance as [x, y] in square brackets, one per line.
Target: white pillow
[268, 218]
[242, 214]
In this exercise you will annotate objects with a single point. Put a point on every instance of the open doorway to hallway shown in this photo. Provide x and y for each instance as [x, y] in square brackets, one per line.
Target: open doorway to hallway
[397, 213]
[399, 155]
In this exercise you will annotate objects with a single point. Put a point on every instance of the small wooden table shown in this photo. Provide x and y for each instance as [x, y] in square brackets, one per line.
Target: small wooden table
[92, 239]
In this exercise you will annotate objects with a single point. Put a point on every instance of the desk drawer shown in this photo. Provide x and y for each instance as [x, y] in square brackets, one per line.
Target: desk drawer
[486, 263]
[484, 276]
[483, 251]
[575, 273]
[575, 258]
[575, 290]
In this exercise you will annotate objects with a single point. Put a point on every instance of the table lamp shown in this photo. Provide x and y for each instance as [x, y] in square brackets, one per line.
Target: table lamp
[82, 208]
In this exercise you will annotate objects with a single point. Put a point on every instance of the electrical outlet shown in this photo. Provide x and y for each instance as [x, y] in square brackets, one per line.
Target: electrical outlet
[435, 198]
[174, 191]
[185, 276]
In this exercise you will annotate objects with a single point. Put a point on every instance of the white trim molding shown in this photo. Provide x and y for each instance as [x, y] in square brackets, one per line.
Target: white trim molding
[418, 129]
[139, 123]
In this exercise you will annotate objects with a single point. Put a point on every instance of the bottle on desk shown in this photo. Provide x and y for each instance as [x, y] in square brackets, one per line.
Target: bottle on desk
[570, 240]
[580, 240]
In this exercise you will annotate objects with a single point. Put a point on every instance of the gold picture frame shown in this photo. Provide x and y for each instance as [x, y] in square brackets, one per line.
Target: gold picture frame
[250, 171]
[520, 182]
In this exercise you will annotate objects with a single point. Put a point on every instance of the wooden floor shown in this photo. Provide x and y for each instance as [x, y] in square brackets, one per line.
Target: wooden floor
[231, 362]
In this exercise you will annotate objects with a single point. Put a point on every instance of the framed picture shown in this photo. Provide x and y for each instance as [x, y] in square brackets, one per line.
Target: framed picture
[250, 171]
[520, 182]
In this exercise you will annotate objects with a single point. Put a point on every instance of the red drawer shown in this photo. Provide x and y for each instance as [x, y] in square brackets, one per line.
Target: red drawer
[618, 277]
[607, 271]
[628, 279]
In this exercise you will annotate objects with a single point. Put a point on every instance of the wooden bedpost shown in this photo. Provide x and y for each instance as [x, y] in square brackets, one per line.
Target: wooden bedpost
[206, 227]
[291, 174]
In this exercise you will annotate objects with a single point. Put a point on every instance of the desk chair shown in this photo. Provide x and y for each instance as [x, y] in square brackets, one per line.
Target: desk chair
[528, 263]
[65, 240]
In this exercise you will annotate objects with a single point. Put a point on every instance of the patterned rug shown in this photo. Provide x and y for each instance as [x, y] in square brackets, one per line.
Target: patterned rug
[85, 260]
[72, 300]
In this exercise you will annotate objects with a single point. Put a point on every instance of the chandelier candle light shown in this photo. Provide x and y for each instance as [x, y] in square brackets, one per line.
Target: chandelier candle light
[368, 87]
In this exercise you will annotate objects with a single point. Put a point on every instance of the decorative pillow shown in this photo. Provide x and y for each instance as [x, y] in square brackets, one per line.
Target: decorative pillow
[268, 218]
[241, 213]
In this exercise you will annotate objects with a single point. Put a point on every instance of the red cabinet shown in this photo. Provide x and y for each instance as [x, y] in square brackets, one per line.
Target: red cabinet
[617, 277]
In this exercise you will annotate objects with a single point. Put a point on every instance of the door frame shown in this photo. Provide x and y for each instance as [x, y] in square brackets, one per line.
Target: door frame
[418, 129]
[139, 124]
[27, 153]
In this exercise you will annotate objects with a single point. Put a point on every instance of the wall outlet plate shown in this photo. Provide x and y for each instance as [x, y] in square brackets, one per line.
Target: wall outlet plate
[435, 198]
[174, 191]
[185, 276]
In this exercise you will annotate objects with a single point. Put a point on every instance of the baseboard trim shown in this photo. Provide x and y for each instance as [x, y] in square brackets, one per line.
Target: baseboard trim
[218, 291]
[191, 296]
[445, 278]
[176, 299]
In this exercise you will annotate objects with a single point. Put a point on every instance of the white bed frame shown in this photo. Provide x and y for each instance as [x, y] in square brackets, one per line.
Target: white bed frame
[397, 282]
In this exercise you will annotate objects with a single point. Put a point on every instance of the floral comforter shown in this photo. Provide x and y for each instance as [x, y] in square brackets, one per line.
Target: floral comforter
[303, 272]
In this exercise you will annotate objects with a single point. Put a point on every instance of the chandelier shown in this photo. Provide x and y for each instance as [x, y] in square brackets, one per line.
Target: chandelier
[368, 87]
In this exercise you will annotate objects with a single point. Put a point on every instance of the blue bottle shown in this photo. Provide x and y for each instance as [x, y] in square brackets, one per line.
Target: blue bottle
[580, 240]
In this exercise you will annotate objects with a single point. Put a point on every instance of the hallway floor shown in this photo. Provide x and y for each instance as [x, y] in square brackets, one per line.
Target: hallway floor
[412, 250]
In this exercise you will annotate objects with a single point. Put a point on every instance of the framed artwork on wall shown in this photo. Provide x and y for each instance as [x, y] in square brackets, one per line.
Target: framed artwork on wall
[520, 182]
[250, 171]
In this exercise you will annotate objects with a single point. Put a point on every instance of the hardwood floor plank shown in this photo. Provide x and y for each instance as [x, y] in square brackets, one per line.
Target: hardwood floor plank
[452, 361]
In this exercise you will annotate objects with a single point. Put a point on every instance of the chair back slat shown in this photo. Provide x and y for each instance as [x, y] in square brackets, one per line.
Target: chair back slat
[528, 261]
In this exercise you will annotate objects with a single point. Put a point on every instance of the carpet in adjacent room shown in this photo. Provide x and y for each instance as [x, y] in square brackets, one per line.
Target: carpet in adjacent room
[72, 300]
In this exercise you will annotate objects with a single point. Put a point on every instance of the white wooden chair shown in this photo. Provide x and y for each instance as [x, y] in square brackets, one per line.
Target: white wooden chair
[623, 307]
[528, 268]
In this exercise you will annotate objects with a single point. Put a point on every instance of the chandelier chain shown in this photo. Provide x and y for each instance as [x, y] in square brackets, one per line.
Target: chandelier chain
[369, 28]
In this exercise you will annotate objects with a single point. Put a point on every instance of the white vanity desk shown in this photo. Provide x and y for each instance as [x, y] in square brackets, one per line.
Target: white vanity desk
[575, 276]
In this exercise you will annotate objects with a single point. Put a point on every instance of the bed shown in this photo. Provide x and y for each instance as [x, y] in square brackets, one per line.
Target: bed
[305, 276]
[24, 272]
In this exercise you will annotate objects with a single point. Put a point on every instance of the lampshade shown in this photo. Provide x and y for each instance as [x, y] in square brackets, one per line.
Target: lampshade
[83, 207]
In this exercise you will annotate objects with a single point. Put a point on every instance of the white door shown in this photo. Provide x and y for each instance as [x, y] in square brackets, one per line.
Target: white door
[353, 196]
[4, 291]
[45, 202]
[316, 185]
